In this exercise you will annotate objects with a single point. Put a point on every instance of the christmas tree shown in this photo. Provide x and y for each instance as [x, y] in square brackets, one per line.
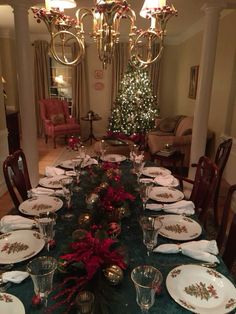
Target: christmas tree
[135, 107]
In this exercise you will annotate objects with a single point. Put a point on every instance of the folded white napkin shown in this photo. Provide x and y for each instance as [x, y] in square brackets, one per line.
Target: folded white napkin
[202, 250]
[14, 276]
[181, 207]
[15, 222]
[88, 161]
[166, 180]
[41, 191]
[53, 171]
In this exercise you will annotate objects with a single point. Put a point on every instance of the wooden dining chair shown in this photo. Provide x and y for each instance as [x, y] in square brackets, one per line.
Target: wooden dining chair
[221, 158]
[227, 232]
[203, 186]
[16, 176]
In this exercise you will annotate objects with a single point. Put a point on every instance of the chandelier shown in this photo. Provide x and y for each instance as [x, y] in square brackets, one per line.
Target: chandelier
[106, 16]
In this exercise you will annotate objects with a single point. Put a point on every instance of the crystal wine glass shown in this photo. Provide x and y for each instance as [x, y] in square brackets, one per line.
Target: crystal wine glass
[145, 186]
[138, 168]
[46, 222]
[147, 280]
[41, 270]
[67, 189]
[151, 227]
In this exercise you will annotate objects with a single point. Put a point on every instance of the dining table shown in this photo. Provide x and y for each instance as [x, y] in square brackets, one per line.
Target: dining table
[120, 298]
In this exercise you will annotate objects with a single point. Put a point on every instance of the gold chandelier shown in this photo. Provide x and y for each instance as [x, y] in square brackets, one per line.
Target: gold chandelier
[106, 15]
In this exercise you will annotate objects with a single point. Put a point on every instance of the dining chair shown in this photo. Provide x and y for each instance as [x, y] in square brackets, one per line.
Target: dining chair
[56, 119]
[16, 176]
[227, 232]
[203, 186]
[221, 158]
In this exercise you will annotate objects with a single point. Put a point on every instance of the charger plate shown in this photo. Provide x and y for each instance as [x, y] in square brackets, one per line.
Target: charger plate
[52, 182]
[20, 245]
[165, 194]
[201, 290]
[178, 227]
[9, 304]
[155, 171]
[38, 204]
[113, 158]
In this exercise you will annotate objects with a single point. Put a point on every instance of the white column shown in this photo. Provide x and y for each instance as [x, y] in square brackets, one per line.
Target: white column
[212, 11]
[26, 88]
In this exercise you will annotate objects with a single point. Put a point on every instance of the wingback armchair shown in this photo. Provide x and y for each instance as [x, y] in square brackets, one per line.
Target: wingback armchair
[56, 119]
[176, 131]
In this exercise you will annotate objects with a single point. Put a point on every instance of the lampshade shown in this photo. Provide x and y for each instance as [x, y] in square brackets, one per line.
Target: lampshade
[62, 4]
[151, 6]
[3, 80]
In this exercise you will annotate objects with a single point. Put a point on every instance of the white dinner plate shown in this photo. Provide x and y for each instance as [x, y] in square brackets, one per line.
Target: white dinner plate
[155, 171]
[9, 304]
[159, 180]
[165, 194]
[38, 204]
[201, 290]
[67, 164]
[52, 182]
[20, 245]
[178, 227]
[113, 158]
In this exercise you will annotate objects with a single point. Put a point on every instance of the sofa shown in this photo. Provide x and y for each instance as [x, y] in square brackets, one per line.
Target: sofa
[176, 131]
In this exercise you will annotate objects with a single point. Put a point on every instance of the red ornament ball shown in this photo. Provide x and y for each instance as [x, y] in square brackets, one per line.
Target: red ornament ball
[36, 300]
[114, 229]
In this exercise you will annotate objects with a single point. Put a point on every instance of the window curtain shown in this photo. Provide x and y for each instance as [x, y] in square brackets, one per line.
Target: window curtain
[119, 66]
[154, 73]
[80, 95]
[41, 76]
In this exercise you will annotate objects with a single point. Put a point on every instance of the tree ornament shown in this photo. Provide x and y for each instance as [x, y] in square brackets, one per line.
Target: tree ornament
[85, 220]
[92, 198]
[79, 234]
[123, 212]
[114, 230]
[114, 274]
[36, 300]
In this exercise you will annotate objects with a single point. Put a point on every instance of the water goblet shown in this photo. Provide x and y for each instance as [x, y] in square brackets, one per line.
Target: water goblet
[77, 166]
[103, 149]
[46, 222]
[145, 186]
[147, 280]
[67, 190]
[41, 271]
[150, 227]
[82, 152]
[85, 302]
[138, 165]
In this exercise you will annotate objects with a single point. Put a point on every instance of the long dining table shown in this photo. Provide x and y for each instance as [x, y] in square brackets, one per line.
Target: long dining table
[131, 237]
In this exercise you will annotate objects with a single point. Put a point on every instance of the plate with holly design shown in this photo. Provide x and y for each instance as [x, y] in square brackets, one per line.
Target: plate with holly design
[9, 304]
[201, 290]
[180, 228]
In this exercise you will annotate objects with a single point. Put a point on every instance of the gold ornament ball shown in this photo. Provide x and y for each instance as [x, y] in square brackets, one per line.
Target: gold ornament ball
[114, 274]
[85, 220]
[79, 234]
[92, 198]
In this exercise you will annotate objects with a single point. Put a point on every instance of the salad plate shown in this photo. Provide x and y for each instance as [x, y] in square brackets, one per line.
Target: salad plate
[165, 194]
[52, 182]
[201, 290]
[20, 245]
[180, 228]
[155, 171]
[9, 304]
[38, 204]
[113, 158]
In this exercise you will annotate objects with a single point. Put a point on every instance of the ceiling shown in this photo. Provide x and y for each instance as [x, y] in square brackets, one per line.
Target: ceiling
[189, 13]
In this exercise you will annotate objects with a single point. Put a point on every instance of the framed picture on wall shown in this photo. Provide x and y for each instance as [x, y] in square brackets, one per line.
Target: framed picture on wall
[193, 82]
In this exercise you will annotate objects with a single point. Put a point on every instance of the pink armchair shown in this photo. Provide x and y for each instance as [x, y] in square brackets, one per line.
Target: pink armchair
[56, 119]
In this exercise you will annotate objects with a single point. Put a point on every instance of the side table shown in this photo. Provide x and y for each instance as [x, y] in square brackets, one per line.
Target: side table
[91, 136]
[172, 161]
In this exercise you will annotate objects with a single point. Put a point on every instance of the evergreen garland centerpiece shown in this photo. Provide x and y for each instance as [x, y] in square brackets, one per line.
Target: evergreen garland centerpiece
[135, 107]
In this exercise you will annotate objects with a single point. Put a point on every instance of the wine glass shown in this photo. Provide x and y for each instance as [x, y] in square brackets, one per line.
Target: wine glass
[147, 280]
[138, 165]
[145, 186]
[67, 190]
[41, 270]
[82, 152]
[46, 222]
[151, 227]
[103, 149]
[77, 166]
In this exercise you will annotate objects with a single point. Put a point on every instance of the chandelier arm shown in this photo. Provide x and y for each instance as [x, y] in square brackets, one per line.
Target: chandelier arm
[64, 61]
[151, 34]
